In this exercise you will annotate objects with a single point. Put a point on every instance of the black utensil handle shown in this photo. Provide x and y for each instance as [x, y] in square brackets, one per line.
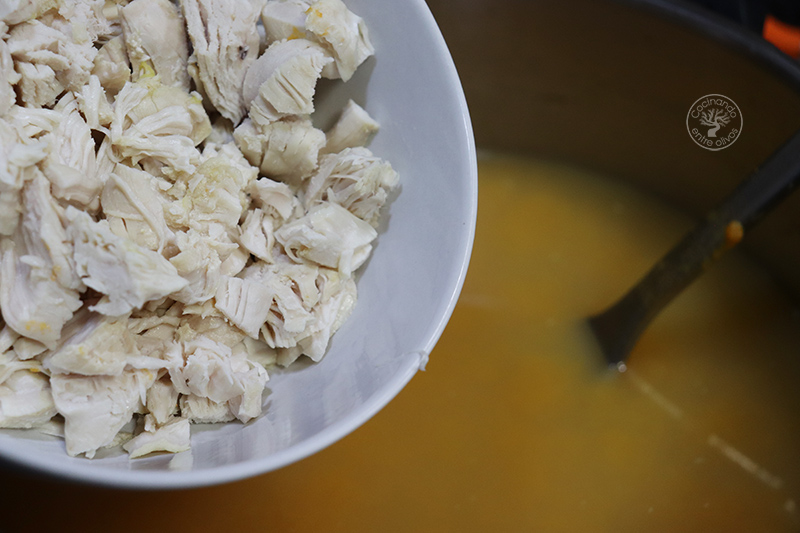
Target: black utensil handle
[619, 327]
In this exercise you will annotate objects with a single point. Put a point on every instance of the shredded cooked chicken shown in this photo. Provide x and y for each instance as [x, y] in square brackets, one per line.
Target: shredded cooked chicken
[172, 224]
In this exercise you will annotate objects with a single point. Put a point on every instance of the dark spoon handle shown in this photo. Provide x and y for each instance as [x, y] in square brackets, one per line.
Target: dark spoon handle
[618, 328]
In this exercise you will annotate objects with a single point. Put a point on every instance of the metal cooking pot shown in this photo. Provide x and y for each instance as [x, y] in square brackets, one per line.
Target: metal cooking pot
[607, 85]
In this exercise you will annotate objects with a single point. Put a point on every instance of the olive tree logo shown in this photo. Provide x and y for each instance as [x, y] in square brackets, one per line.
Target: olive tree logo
[714, 122]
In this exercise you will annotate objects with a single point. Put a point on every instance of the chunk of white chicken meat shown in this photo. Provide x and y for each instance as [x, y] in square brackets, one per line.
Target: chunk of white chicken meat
[8, 76]
[212, 325]
[71, 165]
[199, 263]
[18, 153]
[338, 297]
[127, 274]
[134, 208]
[214, 371]
[285, 150]
[213, 198]
[245, 302]
[257, 234]
[201, 410]
[112, 66]
[25, 400]
[161, 122]
[275, 199]
[173, 437]
[10, 361]
[285, 19]
[95, 408]
[95, 345]
[308, 304]
[225, 43]
[17, 11]
[94, 105]
[87, 20]
[343, 32]
[283, 80]
[38, 282]
[49, 61]
[329, 235]
[330, 23]
[26, 349]
[234, 155]
[354, 179]
[162, 401]
[354, 128]
[154, 32]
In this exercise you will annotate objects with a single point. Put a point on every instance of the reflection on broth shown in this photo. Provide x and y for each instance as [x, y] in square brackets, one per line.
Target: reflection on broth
[701, 432]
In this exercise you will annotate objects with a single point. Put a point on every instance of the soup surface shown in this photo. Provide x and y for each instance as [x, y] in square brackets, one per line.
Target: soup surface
[516, 425]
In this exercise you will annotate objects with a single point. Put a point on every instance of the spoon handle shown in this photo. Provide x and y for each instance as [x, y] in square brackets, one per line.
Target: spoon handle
[618, 328]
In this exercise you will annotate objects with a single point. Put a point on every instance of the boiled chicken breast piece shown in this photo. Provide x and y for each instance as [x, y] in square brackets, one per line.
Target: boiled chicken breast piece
[201, 410]
[285, 150]
[154, 32]
[18, 154]
[8, 76]
[162, 401]
[214, 197]
[294, 294]
[213, 371]
[10, 362]
[276, 199]
[343, 32]
[225, 43]
[152, 120]
[173, 437]
[27, 349]
[354, 179]
[49, 61]
[126, 274]
[37, 279]
[329, 314]
[96, 345]
[95, 408]
[256, 234]
[38, 85]
[17, 11]
[284, 19]
[330, 236]
[94, 104]
[71, 165]
[231, 151]
[44, 236]
[354, 128]
[112, 66]
[245, 302]
[212, 326]
[283, 80]
[25, 400]
[248, 405]
[198, 263]
[134, 208]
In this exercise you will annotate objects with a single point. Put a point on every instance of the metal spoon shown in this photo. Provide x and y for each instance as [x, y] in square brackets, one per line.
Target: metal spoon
[618, 328]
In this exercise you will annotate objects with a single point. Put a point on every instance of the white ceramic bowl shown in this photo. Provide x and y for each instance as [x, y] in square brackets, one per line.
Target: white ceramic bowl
[406, 292]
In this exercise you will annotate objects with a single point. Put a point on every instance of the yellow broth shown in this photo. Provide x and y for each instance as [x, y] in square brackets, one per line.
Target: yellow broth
[516, 425]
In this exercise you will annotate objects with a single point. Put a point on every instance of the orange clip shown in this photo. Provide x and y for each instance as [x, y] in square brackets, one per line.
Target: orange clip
[782, 35]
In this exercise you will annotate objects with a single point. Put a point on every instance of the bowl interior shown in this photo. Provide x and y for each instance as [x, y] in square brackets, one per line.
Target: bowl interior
[406, 292]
